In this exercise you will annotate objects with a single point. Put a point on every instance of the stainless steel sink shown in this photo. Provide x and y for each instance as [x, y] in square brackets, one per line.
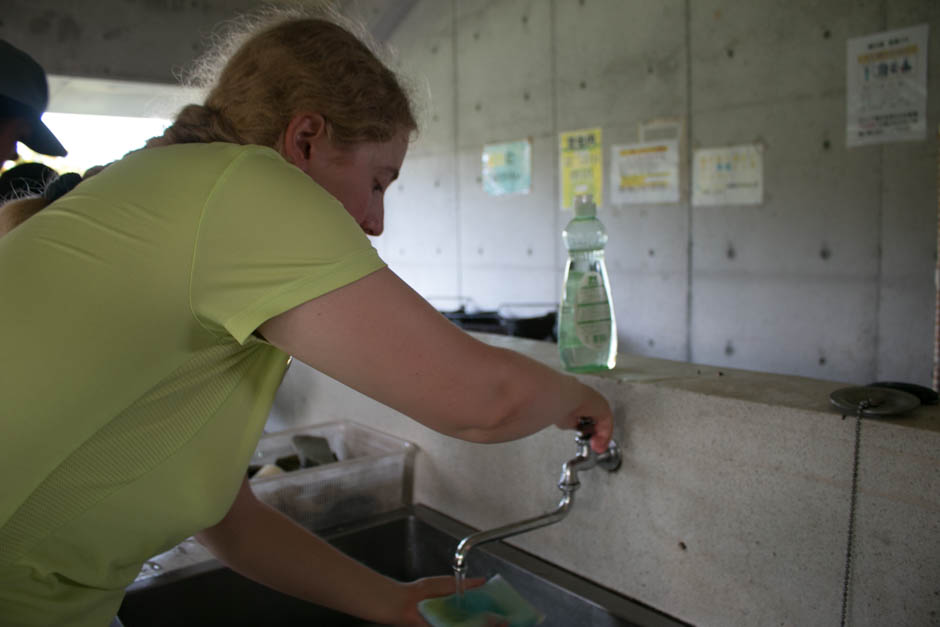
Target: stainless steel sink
[408, 544]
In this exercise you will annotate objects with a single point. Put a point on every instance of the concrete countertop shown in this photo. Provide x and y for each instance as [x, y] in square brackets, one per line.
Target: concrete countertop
[779, 390]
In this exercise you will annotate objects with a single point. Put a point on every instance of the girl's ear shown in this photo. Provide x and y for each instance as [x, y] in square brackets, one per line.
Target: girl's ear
[305, 137]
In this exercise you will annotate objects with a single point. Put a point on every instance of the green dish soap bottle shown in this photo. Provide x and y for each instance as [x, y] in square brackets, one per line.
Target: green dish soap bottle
[587, 329]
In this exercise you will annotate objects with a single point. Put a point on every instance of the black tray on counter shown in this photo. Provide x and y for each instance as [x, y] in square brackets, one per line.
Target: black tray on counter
[536, 328]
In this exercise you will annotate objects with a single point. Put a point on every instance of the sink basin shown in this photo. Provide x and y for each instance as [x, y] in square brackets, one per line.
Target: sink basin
[407, 544]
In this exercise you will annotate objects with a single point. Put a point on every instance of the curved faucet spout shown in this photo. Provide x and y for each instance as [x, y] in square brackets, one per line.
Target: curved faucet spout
[512, 529]
[586, 459]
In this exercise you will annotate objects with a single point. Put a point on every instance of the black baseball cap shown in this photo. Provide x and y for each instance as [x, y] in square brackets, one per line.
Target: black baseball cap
[23, 84]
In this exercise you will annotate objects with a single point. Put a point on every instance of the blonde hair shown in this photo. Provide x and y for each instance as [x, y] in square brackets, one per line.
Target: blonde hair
[291, 65]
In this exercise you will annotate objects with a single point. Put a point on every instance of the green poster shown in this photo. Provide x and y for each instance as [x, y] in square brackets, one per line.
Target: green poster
[507, 168]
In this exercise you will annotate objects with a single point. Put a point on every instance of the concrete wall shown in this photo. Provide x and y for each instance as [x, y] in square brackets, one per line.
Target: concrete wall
[832, 277]
[732, 504]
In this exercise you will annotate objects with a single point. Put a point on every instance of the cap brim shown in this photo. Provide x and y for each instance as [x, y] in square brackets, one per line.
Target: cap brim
[43, 141]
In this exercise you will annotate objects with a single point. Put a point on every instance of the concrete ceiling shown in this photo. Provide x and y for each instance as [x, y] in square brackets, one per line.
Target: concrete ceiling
[95, 96]
[102, 95]
[381, 17]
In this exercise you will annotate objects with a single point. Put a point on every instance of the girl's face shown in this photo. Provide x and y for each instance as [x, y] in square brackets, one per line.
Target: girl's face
[357, 176]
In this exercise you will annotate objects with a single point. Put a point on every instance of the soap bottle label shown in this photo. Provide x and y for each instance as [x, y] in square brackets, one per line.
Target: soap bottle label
[592, 311]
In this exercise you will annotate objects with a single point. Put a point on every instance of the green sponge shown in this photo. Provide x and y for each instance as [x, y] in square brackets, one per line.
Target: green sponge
[494, 603]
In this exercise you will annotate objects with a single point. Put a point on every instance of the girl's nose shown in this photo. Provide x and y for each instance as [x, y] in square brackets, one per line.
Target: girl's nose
[374, 223]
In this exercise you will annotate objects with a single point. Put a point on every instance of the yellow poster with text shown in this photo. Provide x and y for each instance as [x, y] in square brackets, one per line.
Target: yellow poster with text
[582, 165]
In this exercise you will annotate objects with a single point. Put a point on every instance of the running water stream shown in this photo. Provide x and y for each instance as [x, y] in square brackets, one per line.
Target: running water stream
[459, 577]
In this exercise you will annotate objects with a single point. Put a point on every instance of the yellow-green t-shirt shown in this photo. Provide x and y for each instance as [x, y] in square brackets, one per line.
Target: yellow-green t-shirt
[133, 390]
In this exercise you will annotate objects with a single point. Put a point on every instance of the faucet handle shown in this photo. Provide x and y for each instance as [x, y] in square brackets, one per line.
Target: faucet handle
[585, 429]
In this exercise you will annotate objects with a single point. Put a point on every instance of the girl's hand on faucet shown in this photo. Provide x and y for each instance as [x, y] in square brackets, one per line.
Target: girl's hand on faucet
[593, 417]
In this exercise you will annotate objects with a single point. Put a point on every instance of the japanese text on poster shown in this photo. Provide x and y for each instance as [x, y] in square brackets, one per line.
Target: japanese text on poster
[582, 165]
[645, 173]
[728, 176]
[507, 168]
[887, 87]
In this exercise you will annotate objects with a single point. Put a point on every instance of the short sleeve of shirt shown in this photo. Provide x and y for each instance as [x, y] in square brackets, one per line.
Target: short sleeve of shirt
[270, 239]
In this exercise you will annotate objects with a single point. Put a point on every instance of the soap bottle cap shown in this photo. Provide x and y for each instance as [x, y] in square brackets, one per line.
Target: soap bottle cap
[584, 206]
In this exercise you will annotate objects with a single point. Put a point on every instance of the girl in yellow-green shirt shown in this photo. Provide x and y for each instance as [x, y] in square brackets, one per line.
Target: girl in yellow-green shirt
[147, 316]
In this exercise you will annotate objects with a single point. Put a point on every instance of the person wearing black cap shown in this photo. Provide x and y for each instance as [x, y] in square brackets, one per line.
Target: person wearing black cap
[24, 94]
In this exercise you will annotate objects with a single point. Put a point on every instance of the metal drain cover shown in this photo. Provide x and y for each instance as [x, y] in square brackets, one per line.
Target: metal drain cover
[874, 401]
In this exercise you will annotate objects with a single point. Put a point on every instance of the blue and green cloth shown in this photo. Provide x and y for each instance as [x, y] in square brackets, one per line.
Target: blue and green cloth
[494, 603]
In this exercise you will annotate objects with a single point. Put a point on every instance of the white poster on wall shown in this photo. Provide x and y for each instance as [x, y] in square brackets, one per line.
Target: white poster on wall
[728, 176]
[645, 173]
[887, 87]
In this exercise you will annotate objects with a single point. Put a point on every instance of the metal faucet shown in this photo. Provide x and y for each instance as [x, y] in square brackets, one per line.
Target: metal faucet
[586, 459]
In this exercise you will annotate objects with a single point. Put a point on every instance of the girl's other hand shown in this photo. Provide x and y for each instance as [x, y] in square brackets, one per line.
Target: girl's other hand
[429, 588]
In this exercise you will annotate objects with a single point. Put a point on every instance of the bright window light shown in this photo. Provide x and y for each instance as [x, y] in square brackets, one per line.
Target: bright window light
[93, 139]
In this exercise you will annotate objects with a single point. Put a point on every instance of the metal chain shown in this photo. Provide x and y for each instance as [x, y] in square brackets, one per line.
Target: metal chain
[846, 581]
